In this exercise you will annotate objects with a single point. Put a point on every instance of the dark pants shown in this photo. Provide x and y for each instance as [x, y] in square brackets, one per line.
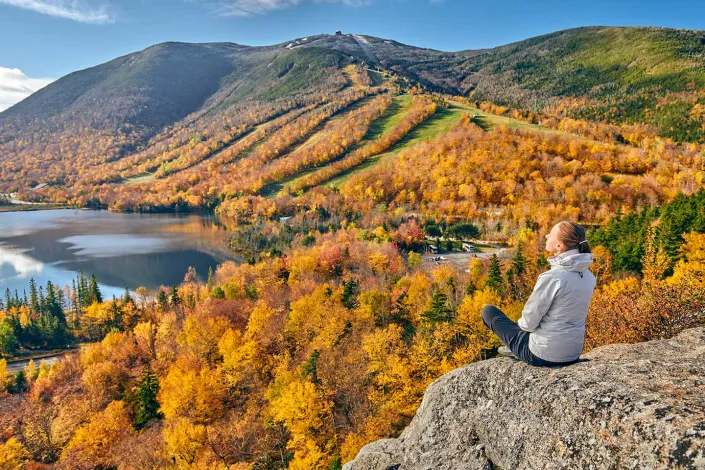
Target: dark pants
[516, 339]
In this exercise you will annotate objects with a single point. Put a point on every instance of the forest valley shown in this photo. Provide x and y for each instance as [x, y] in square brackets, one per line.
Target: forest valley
[326, 338]
[298, 359]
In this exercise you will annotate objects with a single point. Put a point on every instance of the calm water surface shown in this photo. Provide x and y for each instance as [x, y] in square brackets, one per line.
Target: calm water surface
[122, 250]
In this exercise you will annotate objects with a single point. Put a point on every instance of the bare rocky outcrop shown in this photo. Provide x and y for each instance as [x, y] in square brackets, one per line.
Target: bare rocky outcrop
[622, 406]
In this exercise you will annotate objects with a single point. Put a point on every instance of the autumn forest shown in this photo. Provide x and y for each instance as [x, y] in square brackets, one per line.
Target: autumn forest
[341, 174]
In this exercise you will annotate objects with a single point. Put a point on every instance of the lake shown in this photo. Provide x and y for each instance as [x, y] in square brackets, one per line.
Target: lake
[122, 250]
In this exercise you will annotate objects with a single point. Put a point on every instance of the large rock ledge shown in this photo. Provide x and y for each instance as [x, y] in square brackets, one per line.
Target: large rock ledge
[623, 406]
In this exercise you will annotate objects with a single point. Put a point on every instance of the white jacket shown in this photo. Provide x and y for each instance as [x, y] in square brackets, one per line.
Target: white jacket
[555, 312]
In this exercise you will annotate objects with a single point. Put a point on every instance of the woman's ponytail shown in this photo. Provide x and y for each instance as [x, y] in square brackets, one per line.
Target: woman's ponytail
[584, 247]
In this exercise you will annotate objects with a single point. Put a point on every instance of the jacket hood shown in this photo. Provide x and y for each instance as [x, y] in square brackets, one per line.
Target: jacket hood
[571, 260]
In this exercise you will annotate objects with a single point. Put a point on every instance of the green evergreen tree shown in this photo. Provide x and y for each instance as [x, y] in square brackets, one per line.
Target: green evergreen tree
[541, 262]
[309, 368]
[19, 384]
[351, 290]
[519, 262]
[95, 294]
[470, 288]
[175, 298]
[33, 297]
[494, 276]
[211, 277]
[439, 311]
[162, 299]
[147, 406]
[83, 294]
[127, 298]
[52, 304]
[115, 315]
[42, 300]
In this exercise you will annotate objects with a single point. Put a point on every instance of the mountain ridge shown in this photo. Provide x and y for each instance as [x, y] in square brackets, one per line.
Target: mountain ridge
[140, 102]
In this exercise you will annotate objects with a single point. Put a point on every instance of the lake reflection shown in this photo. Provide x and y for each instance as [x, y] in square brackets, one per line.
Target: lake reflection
[122, 250]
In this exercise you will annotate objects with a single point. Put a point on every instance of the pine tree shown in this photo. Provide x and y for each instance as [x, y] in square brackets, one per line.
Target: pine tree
[162, 300]
[210, 281]
[33, 297]
[350, 292]
[52, 306]
[175, 298]
[470, 288]
[8, 299]
[147, 406]
[83, 294]
[309, 368]
[115, 315]
[126, 297]
[494, 276]
[439, 311]
[42, 300]
[95, 294]
[519, 262]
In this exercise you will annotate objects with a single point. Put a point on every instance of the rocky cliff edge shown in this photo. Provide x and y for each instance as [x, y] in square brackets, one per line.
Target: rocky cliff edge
[635, 406]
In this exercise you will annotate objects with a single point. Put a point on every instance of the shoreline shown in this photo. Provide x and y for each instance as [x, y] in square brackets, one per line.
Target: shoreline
[33, 207]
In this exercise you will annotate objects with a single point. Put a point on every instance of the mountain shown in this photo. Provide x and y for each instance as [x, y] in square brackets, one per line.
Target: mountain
[616, 74]
[162, 84]
[158, 105]
[633, 75]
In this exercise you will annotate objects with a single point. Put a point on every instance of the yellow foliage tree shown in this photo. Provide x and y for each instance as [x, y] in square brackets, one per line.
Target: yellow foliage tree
[192, 391]
[691, 269]
[185, 440]
[469, 324]
[305, 412]
[602, 267]
[655, 261]
[4, 376]
[13, 455]
[92, 444]
[201, 335]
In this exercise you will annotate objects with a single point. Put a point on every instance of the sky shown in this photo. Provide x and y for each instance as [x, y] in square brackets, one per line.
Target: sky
[42, 40]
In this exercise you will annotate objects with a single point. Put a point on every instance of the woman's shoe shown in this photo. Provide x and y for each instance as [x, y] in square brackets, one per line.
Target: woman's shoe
[505, 351]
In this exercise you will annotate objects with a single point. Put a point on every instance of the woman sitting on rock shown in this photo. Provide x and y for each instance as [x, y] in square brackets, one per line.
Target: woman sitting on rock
[551, 330]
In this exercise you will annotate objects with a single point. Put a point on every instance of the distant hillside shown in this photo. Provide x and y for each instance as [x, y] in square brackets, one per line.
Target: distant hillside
[153, 87]
[632, 75]
[188, 114]
[165, 82]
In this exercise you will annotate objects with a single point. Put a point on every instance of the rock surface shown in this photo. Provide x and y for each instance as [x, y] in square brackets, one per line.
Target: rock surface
[622, 406]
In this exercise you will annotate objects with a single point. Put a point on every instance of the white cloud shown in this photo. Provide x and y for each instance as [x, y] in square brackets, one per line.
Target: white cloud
[259, 7]
[251, 7]
[77, 10]
[16, 86]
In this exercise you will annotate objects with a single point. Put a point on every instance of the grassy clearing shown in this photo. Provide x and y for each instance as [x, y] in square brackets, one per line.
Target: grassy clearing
[353, 76]
[390, 119]
[143, 178]
[322, 131]
[376, 77]
[434, 126]
[489, 121]
[440, 123]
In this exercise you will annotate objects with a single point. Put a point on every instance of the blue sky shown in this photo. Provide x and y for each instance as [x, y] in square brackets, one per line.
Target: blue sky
[43, 40]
